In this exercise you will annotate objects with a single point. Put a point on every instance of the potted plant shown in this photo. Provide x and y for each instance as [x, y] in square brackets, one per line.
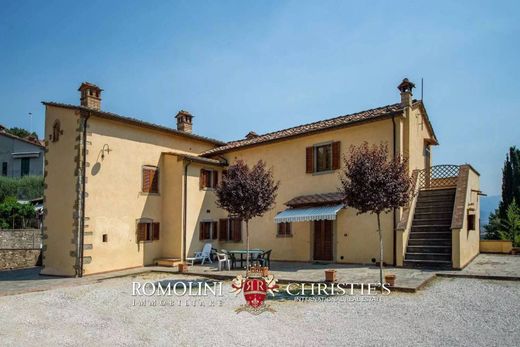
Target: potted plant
[330, 275]
[390, 279]
[183, 267]
[265, 271]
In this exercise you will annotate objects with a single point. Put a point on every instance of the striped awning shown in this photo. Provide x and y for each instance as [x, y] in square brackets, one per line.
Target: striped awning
[305, 214]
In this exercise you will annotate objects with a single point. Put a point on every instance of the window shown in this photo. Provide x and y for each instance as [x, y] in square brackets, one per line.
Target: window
[230, 229]
[56, 131]
[147, 231]
[208, 231]
[4, 168]
[284, 230]
[323, 157]
[208, 179]
[150, 179]
[25, 166]
[471, 222]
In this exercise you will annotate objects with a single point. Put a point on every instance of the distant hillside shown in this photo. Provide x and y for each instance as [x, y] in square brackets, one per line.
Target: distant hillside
[488, 204]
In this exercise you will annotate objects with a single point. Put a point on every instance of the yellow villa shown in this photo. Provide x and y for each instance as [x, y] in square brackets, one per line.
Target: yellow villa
[123, 193]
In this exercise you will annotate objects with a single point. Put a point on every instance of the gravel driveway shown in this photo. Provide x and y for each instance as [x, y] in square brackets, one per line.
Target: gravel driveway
[447, 312]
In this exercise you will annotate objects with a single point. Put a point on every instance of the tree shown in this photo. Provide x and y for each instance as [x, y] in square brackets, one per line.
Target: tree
[246, 193]
[510, 193]
[20, 132]
[509, 228]
[372, 183]
[510, 181]
[25, 188]
[14, 214]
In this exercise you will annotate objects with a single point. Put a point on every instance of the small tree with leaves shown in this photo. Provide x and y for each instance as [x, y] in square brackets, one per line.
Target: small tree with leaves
[372, 183]
[247, 193]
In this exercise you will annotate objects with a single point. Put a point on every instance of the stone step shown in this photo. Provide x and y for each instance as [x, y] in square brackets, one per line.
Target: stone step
[171, 262]
[425, 222]
[421, 215]
[428, 256]
[438, 192]
[432, 227]
[430, 242]
[443, 207]
[427, 248]
[444, 235]
[434, 200]
[428, 264]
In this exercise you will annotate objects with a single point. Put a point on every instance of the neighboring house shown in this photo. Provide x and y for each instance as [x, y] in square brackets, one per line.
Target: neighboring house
[121, 193]
[20, 156]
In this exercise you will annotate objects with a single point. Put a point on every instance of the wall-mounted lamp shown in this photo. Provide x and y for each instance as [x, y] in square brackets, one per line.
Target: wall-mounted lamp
[106, 148]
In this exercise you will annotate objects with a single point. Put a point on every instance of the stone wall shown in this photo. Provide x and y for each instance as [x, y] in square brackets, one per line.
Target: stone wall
[19, 258]
[20, 239]
[20, 248]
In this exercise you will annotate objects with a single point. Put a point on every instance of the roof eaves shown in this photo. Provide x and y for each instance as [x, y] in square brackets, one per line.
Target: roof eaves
[197, 159]
[134, 121]
[228, 147]
[37, 144]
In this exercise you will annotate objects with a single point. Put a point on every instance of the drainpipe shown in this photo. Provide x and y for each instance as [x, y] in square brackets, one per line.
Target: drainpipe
[185, 209]
[394, 212]
[81, 208]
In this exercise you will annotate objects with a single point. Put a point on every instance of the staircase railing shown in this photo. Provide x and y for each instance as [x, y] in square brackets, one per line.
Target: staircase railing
[438, 176]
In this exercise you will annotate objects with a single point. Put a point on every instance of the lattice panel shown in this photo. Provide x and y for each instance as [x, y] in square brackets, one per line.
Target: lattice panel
[439, 176]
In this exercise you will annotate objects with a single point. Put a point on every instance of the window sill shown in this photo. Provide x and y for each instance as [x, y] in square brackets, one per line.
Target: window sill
[283, 236]
[318, 173]
[207, 189]
[149, 194]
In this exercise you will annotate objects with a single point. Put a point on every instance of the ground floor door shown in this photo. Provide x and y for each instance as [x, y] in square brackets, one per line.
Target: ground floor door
[323, 240]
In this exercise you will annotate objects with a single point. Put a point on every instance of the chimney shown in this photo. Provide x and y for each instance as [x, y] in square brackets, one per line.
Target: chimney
[184, 121]
[251, 135]
[90, 95]
[406, 92]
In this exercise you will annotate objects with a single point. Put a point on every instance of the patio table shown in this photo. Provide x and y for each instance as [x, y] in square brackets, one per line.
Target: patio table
[242, 253]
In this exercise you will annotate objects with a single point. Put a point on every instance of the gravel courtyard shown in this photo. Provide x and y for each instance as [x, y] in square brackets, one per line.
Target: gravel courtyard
[448, 312]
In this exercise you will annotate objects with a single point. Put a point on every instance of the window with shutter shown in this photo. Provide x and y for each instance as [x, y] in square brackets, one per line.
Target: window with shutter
[336, 155]
[309, 159]
[207, 230]
[155, 231]
[147, 231]
[141, 232]
[236, 229]
[214, 230]
[284, 229]
[208, 179]
[223, 230]
[150, 180]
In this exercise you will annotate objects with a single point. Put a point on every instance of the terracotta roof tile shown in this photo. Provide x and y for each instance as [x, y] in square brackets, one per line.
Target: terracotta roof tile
[315, 199]
[309, 128]
[134, 121]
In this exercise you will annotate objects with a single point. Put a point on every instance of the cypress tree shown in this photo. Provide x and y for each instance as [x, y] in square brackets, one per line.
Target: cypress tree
[510, 181]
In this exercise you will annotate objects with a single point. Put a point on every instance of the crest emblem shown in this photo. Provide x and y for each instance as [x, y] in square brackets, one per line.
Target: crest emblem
[255, 288]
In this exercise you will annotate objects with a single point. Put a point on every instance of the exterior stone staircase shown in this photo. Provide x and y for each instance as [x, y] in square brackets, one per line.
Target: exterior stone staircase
[429, 243]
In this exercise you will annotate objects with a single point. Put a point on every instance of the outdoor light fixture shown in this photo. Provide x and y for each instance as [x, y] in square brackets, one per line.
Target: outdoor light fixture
[106, 148]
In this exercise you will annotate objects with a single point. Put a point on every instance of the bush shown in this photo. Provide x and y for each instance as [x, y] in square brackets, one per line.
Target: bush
[25, 188]
[15, 215]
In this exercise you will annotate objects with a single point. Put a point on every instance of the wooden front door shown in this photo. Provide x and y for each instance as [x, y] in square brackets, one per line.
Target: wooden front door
[323, 240]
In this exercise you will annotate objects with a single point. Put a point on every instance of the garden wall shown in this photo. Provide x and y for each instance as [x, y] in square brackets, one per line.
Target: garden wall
[20, 248]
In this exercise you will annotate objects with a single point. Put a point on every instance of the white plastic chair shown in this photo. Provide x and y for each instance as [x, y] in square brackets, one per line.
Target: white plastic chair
[223, 259]
[202, 255]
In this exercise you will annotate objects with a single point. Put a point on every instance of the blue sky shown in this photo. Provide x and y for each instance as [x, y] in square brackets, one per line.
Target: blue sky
[267, 65]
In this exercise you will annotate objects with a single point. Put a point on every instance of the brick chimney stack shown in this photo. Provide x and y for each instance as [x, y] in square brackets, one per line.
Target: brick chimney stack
[406, 92]
[184, 121]
[90, 95]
